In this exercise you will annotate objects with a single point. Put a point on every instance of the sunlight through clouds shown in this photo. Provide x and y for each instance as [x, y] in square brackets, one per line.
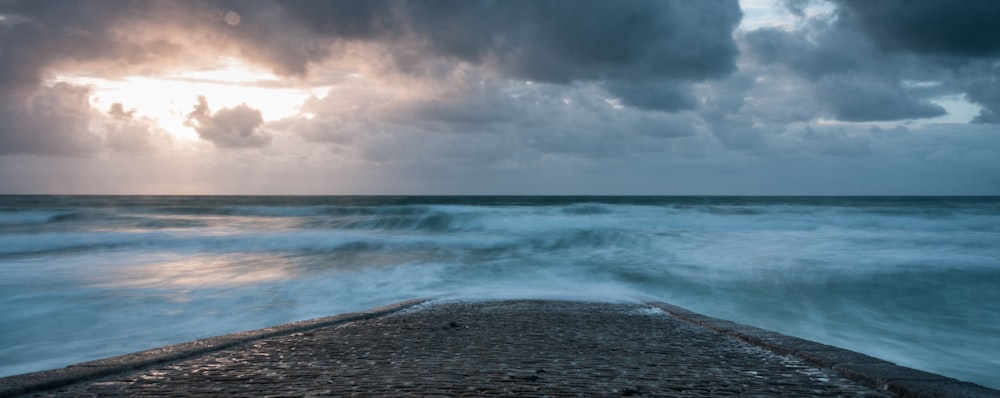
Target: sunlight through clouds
[170, 98]
[408, 95]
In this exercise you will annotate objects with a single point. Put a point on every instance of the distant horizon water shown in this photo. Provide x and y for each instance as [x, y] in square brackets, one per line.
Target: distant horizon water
[909, 279]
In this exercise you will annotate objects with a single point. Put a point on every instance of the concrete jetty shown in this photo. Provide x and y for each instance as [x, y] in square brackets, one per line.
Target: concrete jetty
[497, 348]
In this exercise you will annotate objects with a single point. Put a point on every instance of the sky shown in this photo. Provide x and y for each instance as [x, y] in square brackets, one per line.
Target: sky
[457, 97]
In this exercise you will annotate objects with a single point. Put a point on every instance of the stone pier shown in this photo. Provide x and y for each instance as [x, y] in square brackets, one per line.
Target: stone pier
[497, 348]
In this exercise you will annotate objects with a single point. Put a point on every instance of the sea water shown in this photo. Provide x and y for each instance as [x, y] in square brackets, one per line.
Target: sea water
[915, 281]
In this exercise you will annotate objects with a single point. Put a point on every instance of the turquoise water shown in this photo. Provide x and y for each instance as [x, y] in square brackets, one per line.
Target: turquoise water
[915, 281]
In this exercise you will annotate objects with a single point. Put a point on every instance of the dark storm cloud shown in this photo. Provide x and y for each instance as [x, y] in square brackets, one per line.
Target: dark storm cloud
[646, 51]
[962, 36]
[556, 41]
[623, 44]
[723, 113]
[655, 95]
[982, 86]
[236, 127]
[809, 54]
[850, 77]
[48, 121]
[38, 35]
[628, 45]
[966, 28]
[859, 63]
[865, 98]
[29, 42]
[549, 40]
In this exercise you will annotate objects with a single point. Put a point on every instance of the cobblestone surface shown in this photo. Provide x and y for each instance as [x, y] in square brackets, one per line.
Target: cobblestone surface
[533, 348]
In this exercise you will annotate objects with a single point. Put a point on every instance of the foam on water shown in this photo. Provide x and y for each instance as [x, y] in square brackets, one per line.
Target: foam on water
[910, 280]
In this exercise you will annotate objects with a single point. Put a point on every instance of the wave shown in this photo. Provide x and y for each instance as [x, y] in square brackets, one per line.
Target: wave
[538, 228]
[841, 271]
[15, 217]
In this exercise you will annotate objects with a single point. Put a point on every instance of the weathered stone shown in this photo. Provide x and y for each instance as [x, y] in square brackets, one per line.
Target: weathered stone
[937, 388]
[536, 348]
[827, 359]
[880, 374]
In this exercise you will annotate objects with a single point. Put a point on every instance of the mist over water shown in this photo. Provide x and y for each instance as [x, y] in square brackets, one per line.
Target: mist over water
[915, 281]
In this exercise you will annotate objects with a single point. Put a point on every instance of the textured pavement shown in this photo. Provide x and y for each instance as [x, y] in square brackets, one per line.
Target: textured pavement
[527, 348]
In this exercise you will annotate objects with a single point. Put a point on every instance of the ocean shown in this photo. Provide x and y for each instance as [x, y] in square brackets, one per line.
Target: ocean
[913, 280]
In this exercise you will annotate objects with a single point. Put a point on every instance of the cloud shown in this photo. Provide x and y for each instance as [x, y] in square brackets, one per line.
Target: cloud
[38, 36]
[861, 61]
[58, 120]
[428, 95]
[128, 134]
[723, 110]
[852, 80]
[865, 98]
[54, 119]
[50, 121]
[958, 28]
[645, 52]
[658, 95]
[860, 58]
[554, 41]
[236, 127]
[817, 51]
[985, 90]
[625, 45]
[960, 37]
[979, 79]
[487, 122]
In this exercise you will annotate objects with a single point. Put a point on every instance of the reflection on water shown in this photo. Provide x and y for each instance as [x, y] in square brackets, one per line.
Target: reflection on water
[198, 271]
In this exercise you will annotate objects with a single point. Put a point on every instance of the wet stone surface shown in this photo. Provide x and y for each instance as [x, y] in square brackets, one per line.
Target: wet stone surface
[533, 348]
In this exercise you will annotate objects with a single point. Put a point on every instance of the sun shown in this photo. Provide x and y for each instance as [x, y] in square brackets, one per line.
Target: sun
[168, 99]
